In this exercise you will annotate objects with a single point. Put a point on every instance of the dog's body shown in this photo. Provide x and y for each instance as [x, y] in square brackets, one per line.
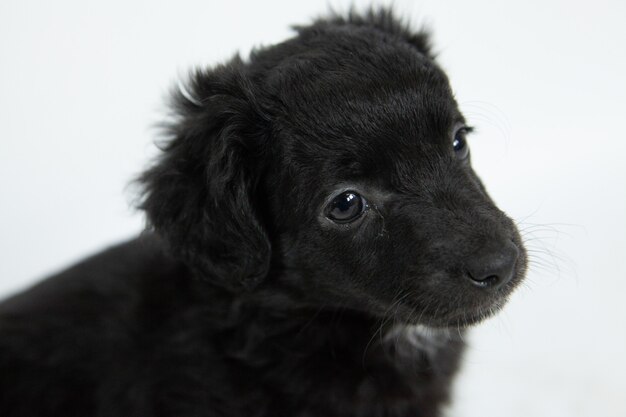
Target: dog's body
[319, 242]
[145, 344]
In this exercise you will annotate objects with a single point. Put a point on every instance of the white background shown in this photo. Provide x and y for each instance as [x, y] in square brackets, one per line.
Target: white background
[543, 82]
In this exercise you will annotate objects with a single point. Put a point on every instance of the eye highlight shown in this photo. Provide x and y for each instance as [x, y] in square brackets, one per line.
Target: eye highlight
[459, 142]
[346, 207]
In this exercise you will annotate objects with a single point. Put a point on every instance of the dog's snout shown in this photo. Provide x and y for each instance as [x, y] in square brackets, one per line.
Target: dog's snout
[493, 266]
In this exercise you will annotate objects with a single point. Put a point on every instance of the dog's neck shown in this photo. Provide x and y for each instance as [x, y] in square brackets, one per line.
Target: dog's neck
[285, 323]
[345, 355]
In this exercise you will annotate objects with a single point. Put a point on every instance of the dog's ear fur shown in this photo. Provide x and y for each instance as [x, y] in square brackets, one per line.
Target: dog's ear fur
[199, 196]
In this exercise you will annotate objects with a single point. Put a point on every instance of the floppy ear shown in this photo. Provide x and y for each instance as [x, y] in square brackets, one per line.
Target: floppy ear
[200, 194]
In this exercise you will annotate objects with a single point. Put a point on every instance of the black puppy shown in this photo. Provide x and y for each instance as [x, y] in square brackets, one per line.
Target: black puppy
[319, 241]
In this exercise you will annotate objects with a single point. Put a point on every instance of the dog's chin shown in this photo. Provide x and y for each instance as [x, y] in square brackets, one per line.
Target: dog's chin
[469, 318]
[454, 317]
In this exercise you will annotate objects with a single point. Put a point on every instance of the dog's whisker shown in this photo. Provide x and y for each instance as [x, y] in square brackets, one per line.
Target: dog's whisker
[310, 321]
[392, 317]
[490, 113]
[381, 323]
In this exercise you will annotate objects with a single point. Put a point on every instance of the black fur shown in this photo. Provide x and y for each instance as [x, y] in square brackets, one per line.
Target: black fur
[245, 299]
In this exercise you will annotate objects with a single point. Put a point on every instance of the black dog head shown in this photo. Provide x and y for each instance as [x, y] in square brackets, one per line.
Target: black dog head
[335, 165]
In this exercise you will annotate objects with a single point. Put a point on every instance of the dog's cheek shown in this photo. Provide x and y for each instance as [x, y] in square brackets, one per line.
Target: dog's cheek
[343, 264]
[374, 260]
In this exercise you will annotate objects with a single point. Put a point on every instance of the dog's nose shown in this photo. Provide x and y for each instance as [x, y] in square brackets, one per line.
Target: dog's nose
[493, 266]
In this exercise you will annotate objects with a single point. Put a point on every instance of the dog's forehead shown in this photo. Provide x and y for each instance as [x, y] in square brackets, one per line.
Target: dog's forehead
[365, 107]
[380, 80]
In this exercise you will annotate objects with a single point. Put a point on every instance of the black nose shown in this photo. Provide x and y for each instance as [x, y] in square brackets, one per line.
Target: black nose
[493, 266]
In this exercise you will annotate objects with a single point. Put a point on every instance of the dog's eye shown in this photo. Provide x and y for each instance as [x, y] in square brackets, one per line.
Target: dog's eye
[346, 207]
[459, 142]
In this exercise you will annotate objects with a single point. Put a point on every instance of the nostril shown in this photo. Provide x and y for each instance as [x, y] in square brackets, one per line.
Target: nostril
[493, 266]
[485, 282]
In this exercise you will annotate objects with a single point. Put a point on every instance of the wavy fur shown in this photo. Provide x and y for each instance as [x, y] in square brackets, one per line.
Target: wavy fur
[244, 298]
